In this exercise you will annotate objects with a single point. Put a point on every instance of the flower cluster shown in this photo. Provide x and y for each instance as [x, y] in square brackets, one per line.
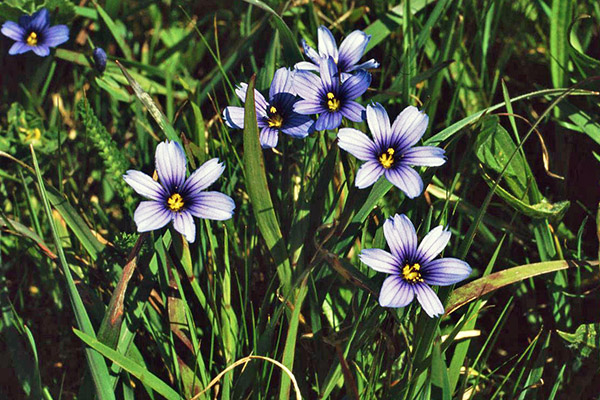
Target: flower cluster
[328, 85]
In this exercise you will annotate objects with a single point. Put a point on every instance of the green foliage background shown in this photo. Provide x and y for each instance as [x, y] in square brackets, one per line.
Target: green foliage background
[511, 89]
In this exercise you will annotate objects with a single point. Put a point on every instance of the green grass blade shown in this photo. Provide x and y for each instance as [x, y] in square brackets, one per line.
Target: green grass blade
[482, 286]
[130, 366]
[258, 191]
[96, 363]
[110, 24]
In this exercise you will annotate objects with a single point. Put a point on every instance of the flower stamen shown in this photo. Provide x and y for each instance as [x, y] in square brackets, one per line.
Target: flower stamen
[411, 273]
[275, 121]
[175, 202]
[332, 103]
[32, 39]
[387, 159]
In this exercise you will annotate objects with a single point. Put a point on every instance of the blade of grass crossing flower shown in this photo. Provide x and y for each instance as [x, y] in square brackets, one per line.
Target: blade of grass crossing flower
[110, 24]
[130, 366]
[290, 341]
[258, 191]
[146, 100]
[95, 362]
[291, 51]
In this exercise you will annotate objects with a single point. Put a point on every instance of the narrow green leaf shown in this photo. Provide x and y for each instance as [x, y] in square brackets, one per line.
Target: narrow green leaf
[96, 363]
[110, 24]
[141, 373]
[146, 100]
[291, 49]
[560, 20]
[482, 286]
[258, 191]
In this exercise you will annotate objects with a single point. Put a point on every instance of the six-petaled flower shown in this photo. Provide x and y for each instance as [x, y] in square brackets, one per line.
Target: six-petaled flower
[413, 268]
[346, 57]
[273, 116]
[175, 198]
[34, 33]
[391, 152]
[328, 97]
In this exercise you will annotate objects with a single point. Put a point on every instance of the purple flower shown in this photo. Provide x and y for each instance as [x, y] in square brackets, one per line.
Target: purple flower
[176, 198]
[391, 152]
[34, 33]
[329, 97]
[276, 115]
[346, 57]
[412, 269]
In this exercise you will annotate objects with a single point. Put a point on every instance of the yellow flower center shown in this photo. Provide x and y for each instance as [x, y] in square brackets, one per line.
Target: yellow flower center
[175, 202]
[273, 110]
[411, 273]
[387, 159]
[332, 103]
[32, 39]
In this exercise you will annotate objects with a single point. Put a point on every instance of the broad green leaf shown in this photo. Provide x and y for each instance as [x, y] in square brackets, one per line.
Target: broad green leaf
[258, 191]
[141, 373]
[482, 286]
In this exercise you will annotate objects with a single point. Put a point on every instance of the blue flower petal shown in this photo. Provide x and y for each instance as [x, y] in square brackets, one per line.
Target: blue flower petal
[445, 271]
[145, 185]
[309, 107]
[356, 85]
[56, 35]
[395, 292]
[409, 127]
[371, 64]
[282, 82]
[212, 205]
[368, 174]
[328, 72]
[268, 137]
[432, 244]
[379, 124]
[353, 111]
[427, 156]
[326, 43]
[13, 31]
[183, 222]
[259, 100]
[151, 215]
[203, 177]
[306, 66]
[352, 48]
[429, 300]
[41, 50]
[401, 237]
[311, 54]
[234, 117]
[19, 48]
[328, 120]
[40, 21]
[297, 125]
[357, 143]
[405, 179]
[170, 165]
[380, 260]
[307, 85]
